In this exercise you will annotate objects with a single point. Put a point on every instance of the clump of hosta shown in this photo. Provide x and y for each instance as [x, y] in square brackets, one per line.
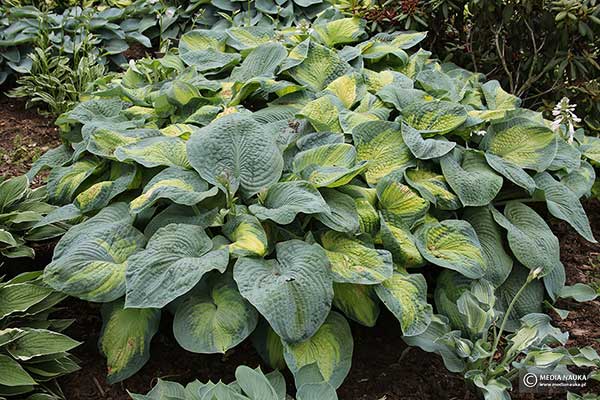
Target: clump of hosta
[274, 184]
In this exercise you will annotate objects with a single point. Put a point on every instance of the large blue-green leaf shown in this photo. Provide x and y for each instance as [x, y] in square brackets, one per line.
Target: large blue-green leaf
[214, 317]
[294, 292]
[175, 259]
[330, 348]
[237, 149]
[125, 338]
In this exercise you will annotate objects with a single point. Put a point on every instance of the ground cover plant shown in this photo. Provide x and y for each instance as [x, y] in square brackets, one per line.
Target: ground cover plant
[33, 352]
[271, 184]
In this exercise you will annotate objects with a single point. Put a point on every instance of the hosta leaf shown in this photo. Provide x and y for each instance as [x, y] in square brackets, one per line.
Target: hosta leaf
[342, 215]
[581, 180]
[405, 295]
[284, 200]
[400, 96]
[522, 142]
[268, 345]
[20, 297]
[175, 259]
[368, 217]
[353, 262]
[590, 148]
[204, 50]
[425, 149]
[314, 65]
[155, 152]
[348, 89]
[255, 384]
[497, 99]
[499, 261]
[180, 186]
[90, 262]
[452, 244]
[12, 190]
[263, 61]
[13, 374]
[381, 144]
[39, 342]
[529, 237]
[434, 116]
[125, 338]
[330, 348]
[247, 234]
[294, 293]
[357, 302]
[399, 204]
[340, 31]
[468, 174]
[432, 187]
[321, 391]
[323, 114]
[249, 37]
[214, 318]
[564, 204]
[330, 165]
[64, 182]
[531, 298]
[100, 194]
[438, 84]
[567, 158]
[511, 171]
[237, 148]
[400, 242]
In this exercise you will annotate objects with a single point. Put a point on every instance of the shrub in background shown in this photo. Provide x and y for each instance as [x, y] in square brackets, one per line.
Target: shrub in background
[539, 50]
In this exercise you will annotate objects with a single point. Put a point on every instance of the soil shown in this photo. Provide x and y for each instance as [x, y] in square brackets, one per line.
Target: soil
[383, 367]
[24, 136]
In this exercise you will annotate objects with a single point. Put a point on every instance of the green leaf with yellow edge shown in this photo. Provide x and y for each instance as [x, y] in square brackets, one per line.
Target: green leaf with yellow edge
[330, 348]
[497, 99]
[100, 194]
[522, 142]
[433, 187]
[323, 113]
[348, 89]
[339, 31]
[468, 174]
[293, 292]
[64, 182]
[283, 201]
[91, 258]
[434, 117]
[176, 257]
[180, 186]
[314, 65]
[247, 235]
[156, 152]
[381, 144]
[353, 262]
[357, 302]
[330, 165]
[452, 244]
[405, 295]
[214, 317]
[399, 204]
[125, 338]
[401, 243]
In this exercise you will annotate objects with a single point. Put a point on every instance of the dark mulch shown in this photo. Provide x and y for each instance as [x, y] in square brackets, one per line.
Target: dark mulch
[24, 136]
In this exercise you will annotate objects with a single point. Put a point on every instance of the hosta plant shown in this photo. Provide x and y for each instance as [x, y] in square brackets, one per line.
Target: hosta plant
[250, 384]
[22, 212]
[272, 184]
[33, 352]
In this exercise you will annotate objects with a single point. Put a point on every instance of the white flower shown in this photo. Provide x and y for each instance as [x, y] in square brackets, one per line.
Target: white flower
[480, 132]
[564, 113]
